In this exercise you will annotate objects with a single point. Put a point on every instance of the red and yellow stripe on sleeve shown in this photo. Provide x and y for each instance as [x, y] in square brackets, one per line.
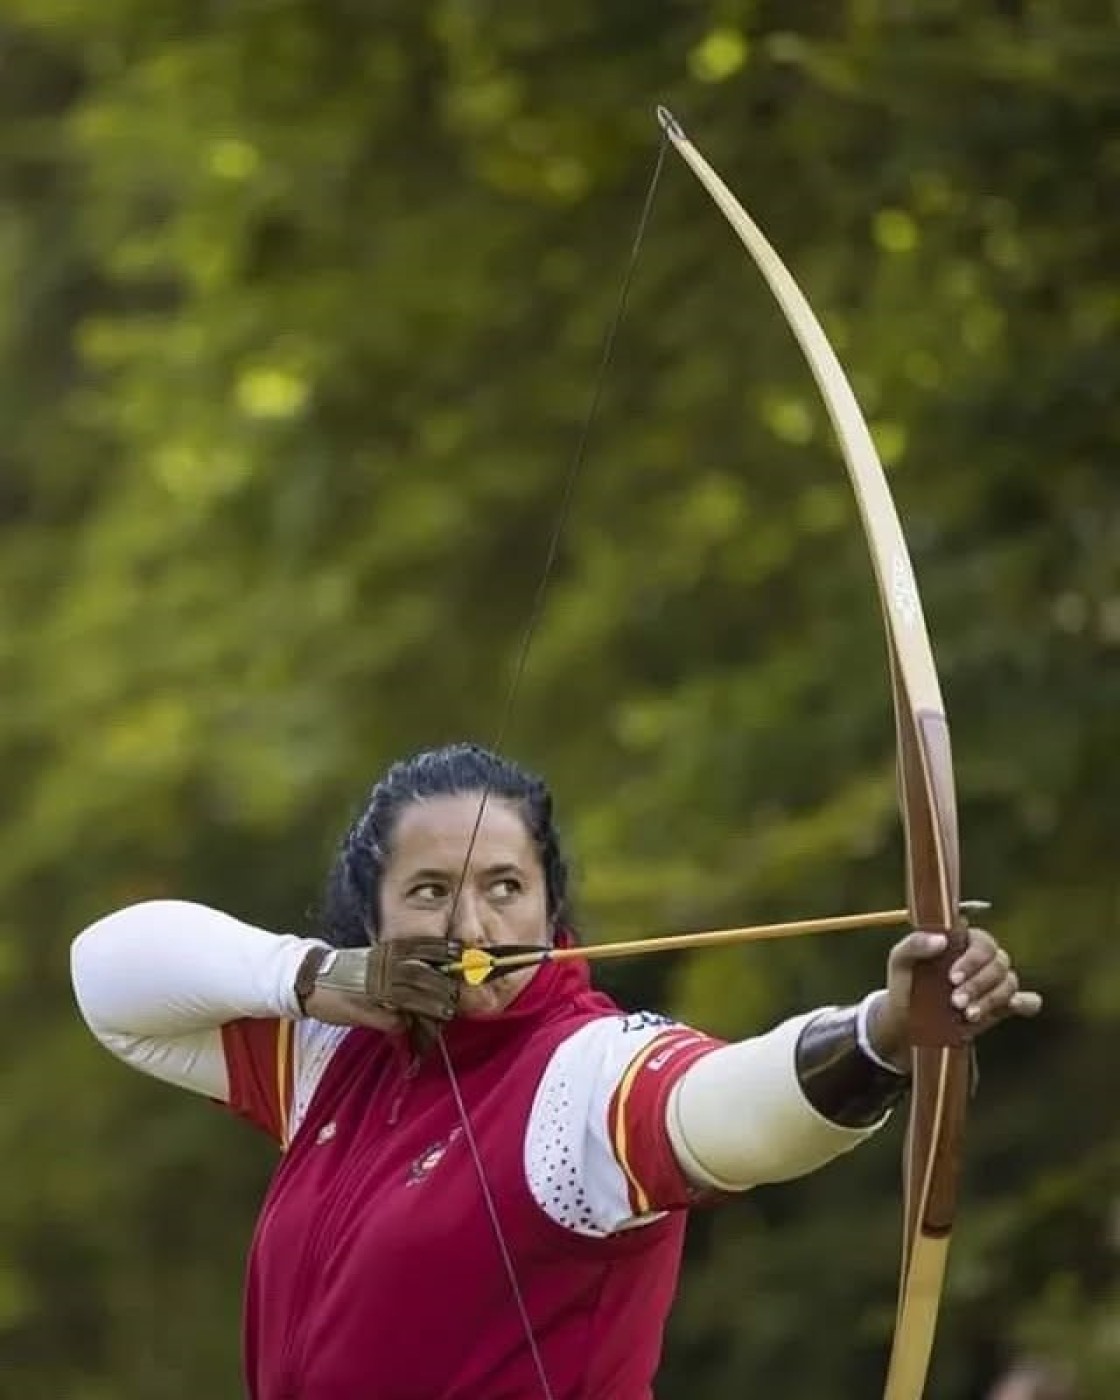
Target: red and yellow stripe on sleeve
[260, 1062]
[636, 1120]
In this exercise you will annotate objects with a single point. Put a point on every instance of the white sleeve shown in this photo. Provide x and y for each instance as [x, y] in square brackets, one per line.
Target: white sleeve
[739, 1118]
[638, 1114]
[156, 981]
[575, 1169]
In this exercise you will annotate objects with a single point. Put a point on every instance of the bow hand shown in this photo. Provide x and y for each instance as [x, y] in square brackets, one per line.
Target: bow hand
[985, 990]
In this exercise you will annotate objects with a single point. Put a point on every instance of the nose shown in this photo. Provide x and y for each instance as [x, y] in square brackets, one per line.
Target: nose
[466, 923]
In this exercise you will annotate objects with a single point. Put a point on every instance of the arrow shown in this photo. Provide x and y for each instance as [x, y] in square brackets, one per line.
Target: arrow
[478, 965]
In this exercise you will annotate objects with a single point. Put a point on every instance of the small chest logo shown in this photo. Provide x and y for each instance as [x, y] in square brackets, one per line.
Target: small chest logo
[645, 1021]
[430, 1158]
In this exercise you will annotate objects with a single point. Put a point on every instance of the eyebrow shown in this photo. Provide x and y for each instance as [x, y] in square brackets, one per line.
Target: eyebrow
[505, 867]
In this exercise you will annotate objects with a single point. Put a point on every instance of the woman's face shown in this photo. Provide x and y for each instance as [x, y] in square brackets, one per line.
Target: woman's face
[502, 899]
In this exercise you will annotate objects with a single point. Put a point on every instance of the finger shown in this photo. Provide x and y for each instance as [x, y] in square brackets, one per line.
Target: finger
[415, 971]
[1025, 1004]
[997, 1018]
[433, 1006]
[982, 948]
[422, 990]
[998, 1003]
[429, 950]
[986, 979]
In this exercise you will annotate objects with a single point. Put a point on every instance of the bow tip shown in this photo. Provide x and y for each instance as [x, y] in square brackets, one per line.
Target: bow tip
[669, 124]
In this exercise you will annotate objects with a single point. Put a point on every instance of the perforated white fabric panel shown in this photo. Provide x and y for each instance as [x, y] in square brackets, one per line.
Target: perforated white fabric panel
[569, 1161]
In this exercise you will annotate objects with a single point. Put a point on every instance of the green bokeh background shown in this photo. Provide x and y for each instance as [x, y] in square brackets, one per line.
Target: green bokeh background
[300, 309]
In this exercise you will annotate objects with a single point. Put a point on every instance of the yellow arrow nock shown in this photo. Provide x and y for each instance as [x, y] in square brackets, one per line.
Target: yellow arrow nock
[476, 966]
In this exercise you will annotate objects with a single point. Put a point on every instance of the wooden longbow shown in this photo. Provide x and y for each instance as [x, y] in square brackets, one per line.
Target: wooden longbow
[941, 1053]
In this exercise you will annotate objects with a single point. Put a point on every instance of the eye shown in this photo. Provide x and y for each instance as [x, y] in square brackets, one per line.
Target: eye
[506, 887]
[428, 892]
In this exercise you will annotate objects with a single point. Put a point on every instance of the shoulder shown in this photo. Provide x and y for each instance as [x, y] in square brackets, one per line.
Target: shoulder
[609, 1045]
[593, 1072]
[596, 1153]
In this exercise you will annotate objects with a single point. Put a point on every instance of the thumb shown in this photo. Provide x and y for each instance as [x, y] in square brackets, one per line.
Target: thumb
[907, 954]
[918, 947]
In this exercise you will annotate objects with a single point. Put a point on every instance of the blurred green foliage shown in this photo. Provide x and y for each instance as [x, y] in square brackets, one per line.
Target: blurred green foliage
[300, 306]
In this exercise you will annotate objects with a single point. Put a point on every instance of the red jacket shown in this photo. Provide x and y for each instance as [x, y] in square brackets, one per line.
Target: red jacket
[375, 1273]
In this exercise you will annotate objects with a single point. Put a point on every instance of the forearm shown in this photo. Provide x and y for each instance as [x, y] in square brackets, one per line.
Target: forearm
[155, 982]
[778, 1105]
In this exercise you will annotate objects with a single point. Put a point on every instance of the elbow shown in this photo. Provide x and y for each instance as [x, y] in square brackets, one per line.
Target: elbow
[100, 960]
[88, 970]
[101, 957]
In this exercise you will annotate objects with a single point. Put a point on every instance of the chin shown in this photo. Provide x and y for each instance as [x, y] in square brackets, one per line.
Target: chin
[481, 1001]
[489, 999]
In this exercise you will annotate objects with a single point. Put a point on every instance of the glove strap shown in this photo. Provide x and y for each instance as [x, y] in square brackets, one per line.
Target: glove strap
[308, 974]
[340, 969]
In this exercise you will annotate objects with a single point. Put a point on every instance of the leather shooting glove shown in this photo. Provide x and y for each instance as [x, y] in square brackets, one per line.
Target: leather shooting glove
[407, 979]
[403, 975]
[399, 975]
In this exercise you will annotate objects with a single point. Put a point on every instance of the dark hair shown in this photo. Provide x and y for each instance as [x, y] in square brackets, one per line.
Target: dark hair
[352, 901]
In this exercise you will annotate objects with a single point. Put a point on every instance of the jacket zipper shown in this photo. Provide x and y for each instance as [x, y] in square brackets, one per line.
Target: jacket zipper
[406, 1082]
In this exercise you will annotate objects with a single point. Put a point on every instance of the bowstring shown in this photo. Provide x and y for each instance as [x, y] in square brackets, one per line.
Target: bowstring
[564, 510]
[563, 513]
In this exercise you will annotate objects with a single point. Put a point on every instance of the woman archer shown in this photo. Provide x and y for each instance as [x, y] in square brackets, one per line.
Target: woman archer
[483, 1190]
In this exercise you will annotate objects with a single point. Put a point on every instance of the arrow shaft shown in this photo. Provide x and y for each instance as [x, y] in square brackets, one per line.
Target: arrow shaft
[711, 938]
